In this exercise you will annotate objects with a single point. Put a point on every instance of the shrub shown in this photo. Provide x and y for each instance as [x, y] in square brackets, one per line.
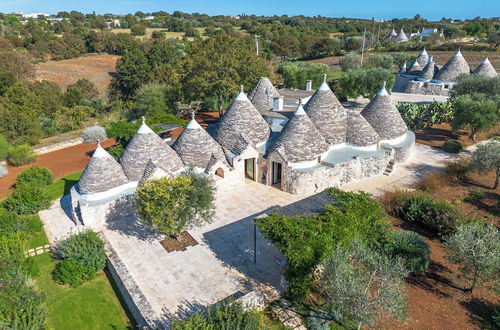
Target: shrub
[3, 171]
[11, 223]
[4, 146]
[452, 146]
[85, 248]
[457, 169]
[116, 151]
[94, 134]
[365, 82]
[35, 175]
[486, 158]
[409, 246]
[421, 208]
[21, 155]
[421, 116]
[72, 272]
[433, 182]
[222, 316]
[350, 61]
[27, 199]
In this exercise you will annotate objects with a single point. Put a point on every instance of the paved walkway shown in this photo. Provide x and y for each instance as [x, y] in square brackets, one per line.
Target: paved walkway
[221, 265]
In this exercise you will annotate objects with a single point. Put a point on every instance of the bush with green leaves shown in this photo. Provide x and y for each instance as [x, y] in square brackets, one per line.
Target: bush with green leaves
[21, 155]
[295, 74]
[72, 272]
[365, 82]
[420, 207]
[350, 61]
[486, 158]
[476, 112]
[380, 61]
[94, 134]
[3, 171]
[411, 248]
[421, 116]
[86, 248]
[452, 146]
[360, 285]
[4, 146]
[171, 205]
[27, 199]
[476, 248]
[222, 316]
[306, 241]
[10, 222]
[400, 58]
[35, 175]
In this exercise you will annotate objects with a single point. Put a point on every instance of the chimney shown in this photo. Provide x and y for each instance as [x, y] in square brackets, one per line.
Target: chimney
[309, 84]
[278, 103]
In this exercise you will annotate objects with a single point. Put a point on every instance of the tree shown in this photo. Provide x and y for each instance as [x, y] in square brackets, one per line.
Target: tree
[476, 248]
[16, 63]
[365, 82]
[149, 101]
[471, 84]
[359, 285]
[138, 30]
[486, 157]
[476, 112]
[295, 74]
[133, 71]
[218, 65]
[87, 88]
[170, 205]
[7, 79]
[350, 61]
[72, 97]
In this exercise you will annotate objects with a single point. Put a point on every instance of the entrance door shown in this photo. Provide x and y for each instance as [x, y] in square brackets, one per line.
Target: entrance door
[250, 168]
[276, 173]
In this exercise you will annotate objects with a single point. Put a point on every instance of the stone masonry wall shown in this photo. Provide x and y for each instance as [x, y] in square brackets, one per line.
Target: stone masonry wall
[318, 178]
[420, 87]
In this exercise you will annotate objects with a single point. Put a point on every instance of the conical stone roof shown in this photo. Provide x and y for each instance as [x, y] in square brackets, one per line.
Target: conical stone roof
[262, 94]
[146, 145]
[403, 68]
[414, 68]
[383, 116]
[359, 131]
[455, 66]
[241, 118]
[485, 69]
[102, 173]
[299, 140]
[401, 36]
[327, 114]
[195, 146]
[393, 33]
[429, 71]
[423, 58]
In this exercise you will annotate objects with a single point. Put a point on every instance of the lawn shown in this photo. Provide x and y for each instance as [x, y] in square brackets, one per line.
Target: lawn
[62, 186]
[94, 305]
[37, 236]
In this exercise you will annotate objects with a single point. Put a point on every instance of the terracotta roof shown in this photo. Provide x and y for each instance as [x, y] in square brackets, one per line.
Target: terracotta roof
[146, 145]
[102, 173]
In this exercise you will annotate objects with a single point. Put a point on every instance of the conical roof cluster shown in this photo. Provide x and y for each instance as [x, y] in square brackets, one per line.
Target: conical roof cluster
[455, 66]
[195, 146]
[241, 118]
[429, 71]
[414, 68]
[327, 114]
[299, 140]
[102, 173]
[383, 116]
[485, 68]
[423, 58]
[146, 145]
[262, 94]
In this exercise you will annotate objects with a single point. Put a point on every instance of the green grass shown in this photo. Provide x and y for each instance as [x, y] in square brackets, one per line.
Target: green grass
[37, 236]
[62, 186]
[93, 305]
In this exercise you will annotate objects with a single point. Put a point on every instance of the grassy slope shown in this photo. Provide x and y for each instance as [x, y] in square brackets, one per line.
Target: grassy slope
[94, 305]
[37, 237]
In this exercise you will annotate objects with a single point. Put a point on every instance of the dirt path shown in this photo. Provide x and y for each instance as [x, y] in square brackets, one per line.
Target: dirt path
[61, 162]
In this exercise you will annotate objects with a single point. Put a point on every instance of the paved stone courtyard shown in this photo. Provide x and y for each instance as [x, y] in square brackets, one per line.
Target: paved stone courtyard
[221, 266]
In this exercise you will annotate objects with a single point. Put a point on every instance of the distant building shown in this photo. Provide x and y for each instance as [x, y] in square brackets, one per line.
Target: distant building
[35, 15]
[149, 18]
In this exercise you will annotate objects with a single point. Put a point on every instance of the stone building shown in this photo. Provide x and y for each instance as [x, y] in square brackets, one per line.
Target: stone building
[305, 150]
[431, 79]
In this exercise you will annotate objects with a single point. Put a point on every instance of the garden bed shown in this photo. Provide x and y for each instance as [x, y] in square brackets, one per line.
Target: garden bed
[438, 134]
[180, 243]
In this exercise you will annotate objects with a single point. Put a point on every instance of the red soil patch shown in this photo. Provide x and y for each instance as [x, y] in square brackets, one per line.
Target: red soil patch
[62, 162]
[438, 134]
[96, 68]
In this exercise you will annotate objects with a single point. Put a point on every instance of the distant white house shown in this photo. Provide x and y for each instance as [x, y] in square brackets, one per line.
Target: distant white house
[35, 15]
[149, 18]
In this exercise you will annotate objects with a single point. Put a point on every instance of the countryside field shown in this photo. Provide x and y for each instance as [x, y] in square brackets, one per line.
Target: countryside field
[96, 68]
[168, 34]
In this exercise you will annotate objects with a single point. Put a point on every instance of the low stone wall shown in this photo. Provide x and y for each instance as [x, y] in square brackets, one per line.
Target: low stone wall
[136, 302]
[318, 178]
[427, 88]
[401, 83]
[58, 146]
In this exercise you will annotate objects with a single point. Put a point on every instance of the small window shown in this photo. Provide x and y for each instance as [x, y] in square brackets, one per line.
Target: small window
[219, 172]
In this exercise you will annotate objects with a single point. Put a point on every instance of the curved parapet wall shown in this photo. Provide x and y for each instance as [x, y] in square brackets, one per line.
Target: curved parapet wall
[401, 148]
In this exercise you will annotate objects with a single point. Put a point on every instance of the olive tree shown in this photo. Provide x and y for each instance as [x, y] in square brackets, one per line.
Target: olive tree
[359, 284]
[486, 157]
[476, 112]
[476, 248]
[171, 205]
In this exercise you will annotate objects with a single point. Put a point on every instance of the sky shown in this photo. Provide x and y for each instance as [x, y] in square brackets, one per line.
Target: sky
[379, 9]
